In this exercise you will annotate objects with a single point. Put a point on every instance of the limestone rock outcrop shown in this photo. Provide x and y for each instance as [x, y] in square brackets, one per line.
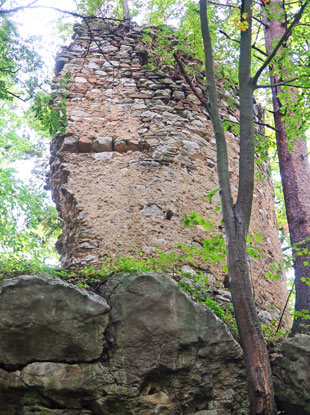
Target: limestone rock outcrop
[291, 376]
[138, 346]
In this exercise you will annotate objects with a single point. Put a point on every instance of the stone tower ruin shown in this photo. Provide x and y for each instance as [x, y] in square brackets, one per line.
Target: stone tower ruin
[138, 154]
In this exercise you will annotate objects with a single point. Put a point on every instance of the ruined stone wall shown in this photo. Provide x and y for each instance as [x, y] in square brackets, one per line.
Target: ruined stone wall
[137, 155]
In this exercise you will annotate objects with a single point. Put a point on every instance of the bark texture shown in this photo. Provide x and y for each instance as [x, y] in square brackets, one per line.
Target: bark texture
[126, 10]
[237, 217]
[295, 176]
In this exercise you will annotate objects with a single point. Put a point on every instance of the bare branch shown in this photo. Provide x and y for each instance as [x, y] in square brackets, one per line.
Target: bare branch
[259, 58]
[238, 41]
[283, 84]
[19, 97]
[188, 79]
[224, 5]
[73, 14]
[10, 69]
[16, 9]
[285, 306]
[201, 98]
[91, 38]
[263, 124]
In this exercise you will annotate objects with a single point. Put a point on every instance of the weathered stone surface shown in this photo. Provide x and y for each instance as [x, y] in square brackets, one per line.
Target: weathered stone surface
[164, 354]
[176, 353]
[44, 319]
[163, 154]
[178, 95]
[103, 144]
[291, 376]
[103, 156]
[80, 80]
[151, 211]
[85, 145]
[70, 144]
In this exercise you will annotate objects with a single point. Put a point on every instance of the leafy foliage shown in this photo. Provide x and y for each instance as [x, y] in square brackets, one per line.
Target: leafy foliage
[213, 248]
[195, 284]
[273, 335]
[28, 227]
[104, 8]
[28, 224]
[19, 64]
[48, 112]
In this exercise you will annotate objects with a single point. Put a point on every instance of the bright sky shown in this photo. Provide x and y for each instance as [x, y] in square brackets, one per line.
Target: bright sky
[41, 23]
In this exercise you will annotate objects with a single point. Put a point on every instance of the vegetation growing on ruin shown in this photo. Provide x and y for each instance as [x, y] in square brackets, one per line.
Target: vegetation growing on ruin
[243, 56]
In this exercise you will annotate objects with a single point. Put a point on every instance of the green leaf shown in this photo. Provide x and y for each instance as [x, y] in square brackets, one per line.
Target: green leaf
[211, 194]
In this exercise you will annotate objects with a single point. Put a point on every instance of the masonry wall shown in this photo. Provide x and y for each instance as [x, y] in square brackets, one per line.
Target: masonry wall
[137, 155]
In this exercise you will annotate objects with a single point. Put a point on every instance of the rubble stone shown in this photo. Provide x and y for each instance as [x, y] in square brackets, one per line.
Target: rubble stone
[138, 138]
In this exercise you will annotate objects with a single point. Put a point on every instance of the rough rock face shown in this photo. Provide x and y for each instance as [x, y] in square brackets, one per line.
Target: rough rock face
[143, 347]
[138, 154]
[291, 376]
[45, 310]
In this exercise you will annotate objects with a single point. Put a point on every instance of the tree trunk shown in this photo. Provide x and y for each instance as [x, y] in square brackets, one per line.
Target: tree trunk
[237, 217]
[295, 176]
[126, 10]
[256, 357]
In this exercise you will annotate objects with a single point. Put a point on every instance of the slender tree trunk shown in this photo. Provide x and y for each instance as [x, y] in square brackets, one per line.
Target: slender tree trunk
[295, 176]
[126, 10]
[237, 217]
[256, 357]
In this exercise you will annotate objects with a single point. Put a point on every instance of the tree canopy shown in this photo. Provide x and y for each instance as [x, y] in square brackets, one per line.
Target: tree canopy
[28, 222]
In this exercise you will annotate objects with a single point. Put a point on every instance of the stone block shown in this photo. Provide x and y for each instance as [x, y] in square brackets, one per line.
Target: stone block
[85, 145]
[102, 144]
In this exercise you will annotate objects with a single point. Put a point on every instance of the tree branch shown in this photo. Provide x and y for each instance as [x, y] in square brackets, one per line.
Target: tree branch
[246, 159]
[201, 98]
[238, 41]
[285, 83]
[213, 110]
[285, 36]
[188, 79]
[17, 9]
[263, 124]
[19, 97]
[224, 5]
[73, 14]
[10, 69]
[285, 306]
[91, 38]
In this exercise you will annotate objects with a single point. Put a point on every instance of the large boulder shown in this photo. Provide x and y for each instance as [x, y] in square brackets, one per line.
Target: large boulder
[160, 353]
[44, 319]
[291, 376]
